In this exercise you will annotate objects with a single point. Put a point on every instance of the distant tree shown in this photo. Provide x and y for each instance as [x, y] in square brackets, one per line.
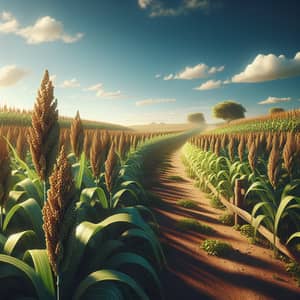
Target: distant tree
[196, 118]
[275, 110]
[229, 110]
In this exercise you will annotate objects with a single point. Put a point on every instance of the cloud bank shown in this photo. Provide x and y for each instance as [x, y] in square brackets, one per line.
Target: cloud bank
[158, 8]
[45, 29]
[154, 101]
[195, 72]
[10, 75]
[101, 93]
[209, 85]
[269, 67]
[72, 83]
[272, 100]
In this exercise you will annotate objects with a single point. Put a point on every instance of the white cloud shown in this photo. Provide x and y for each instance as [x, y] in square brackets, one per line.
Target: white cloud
[45, 29]
[53, 79]
[194, 4]
[109, 95]
[94, 87]
[272, 100]
[269, 67]
[209, 85]
[72, 83]
[214, 70]
[144, 3]
[10, 75]
[157, 8]
[101, 93]
[195, 72]
[198, 71]
[169, 77]
[154, 101]
[157, 76]
[8, 23]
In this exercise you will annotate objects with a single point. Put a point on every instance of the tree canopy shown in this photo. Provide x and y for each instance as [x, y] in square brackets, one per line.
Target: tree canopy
[229, 110]
[196, 118]
[275, 110]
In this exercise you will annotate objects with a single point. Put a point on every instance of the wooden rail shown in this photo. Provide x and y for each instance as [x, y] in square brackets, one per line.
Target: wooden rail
[239, 212]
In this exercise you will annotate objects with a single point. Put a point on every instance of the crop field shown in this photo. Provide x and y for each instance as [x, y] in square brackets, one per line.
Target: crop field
[268, 164]
[11, 117]
[71, 210]
[149, 150]
[78, 221]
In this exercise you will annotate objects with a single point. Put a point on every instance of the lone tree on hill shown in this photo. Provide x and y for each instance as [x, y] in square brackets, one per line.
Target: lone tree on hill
[196, 118]
[275, 110]
[229, 110]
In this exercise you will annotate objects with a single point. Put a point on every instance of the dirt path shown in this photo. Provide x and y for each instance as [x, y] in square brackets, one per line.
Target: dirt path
[250, 273]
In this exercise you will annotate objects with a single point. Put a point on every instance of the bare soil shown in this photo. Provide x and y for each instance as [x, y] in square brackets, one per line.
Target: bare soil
[250, 272]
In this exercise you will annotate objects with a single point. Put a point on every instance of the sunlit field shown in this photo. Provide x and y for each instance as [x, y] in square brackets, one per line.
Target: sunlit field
[149, 149]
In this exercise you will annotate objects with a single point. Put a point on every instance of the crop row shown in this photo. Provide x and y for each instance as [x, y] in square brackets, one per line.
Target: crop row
[72, 224]
[269, 166]
[288, 121]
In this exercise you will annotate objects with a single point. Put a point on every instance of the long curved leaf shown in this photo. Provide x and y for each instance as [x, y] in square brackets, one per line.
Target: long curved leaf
[131, 258]
[11, 267]
[42, 267]
[281, 208]
[18, 243]
[33, 213]
[293, 236]
[101, 276]
[96, 194]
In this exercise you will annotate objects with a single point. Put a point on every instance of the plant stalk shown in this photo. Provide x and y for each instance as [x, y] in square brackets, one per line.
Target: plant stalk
[58, 287]
[45, 190]
[110, 200]
[1, 217]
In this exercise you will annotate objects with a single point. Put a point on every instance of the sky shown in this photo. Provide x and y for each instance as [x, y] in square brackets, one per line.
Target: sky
[141, 61]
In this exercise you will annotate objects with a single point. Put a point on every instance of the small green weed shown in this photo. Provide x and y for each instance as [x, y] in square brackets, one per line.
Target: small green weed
[294, 269]
[187, 224]
[247, 230]
[216, 203]
[187, 203]
[176, 178]
[236, 227]
[227, 219]
[216, 248]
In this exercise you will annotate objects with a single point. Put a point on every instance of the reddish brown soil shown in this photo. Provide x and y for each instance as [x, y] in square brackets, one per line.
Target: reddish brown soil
[250, 272]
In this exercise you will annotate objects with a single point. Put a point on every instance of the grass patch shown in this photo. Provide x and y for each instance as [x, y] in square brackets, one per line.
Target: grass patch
[236, 227]
[187, 203]
[247, 230]
[216, 203]
[176, 178]
[189, 224]
[293, 268]
[216, 248]
[227, 219]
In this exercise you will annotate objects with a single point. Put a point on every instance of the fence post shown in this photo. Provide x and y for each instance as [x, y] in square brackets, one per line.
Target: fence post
[238, 198]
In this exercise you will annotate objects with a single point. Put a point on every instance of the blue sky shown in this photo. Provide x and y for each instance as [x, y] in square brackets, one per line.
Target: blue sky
[142, 61]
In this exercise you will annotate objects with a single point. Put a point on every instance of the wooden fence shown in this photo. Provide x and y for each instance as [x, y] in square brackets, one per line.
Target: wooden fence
[236, 207]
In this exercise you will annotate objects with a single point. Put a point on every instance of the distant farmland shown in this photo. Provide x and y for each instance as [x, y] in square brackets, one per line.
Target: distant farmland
[17, 117]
